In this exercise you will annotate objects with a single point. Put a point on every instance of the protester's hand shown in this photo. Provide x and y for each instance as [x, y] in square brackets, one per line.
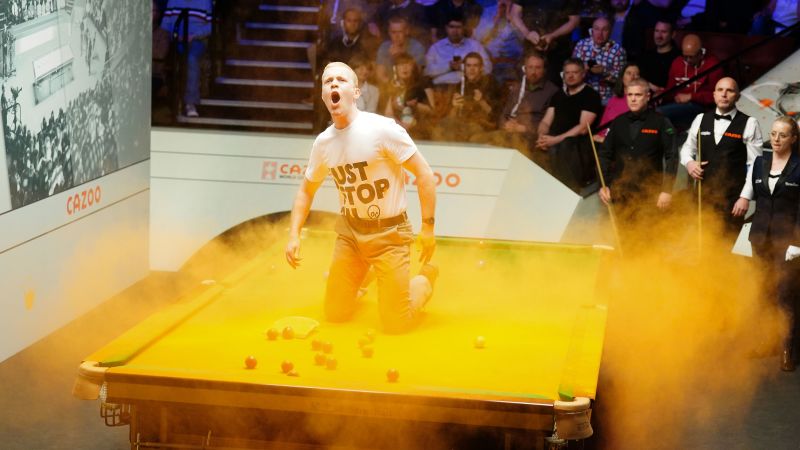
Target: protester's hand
[740, 207]
[696, 170]
[664, 200]
[293, 251]
[683, 97]
[605, 195]
[428, 243]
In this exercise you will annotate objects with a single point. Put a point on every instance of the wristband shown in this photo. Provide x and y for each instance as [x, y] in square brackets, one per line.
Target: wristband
[429, 221]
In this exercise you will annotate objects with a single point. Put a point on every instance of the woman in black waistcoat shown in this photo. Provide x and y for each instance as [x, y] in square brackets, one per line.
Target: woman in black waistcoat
[775, 230]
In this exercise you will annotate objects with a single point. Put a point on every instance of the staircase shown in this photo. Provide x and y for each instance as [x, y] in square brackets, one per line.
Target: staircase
[265, 80]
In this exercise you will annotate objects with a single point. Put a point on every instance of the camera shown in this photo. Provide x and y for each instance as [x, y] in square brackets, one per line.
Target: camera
[591, 63]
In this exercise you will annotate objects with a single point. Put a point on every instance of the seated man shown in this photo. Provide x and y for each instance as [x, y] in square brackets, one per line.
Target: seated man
[351, 41]
[413, 12]
[655, 63]
[525, 107]
[444, 58]
[697, 96]
[399, 43]
[604, 59]
[473, 105]
[563, 146]
[440, 12]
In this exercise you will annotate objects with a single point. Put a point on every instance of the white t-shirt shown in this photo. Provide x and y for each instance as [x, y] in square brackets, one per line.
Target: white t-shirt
[365, 160]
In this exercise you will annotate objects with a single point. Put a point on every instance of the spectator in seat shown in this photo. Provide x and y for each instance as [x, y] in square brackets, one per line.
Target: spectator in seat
[368, 100]
[776, 17]
[501, 40]
[444, 59]
[618, 104]
[655, 64]
[625, 29]
[563, 132]
[473, 104]
[197, 42]
[350, 40]
[604, 59]
[524, 109]
[413, 12]
[399, 42]
[406, 99]
[439, 14]
[697, 96]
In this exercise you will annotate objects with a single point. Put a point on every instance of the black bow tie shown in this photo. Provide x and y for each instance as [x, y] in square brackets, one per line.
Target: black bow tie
[722, 117]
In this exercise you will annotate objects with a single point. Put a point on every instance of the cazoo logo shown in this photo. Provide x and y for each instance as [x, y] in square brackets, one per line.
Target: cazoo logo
[274, 170]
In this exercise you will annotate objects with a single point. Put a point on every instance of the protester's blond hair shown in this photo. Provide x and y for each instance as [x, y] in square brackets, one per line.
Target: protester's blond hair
[349, 69]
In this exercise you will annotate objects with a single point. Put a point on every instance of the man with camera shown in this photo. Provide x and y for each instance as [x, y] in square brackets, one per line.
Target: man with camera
[444, 59]
[603, 57]
[473, 103]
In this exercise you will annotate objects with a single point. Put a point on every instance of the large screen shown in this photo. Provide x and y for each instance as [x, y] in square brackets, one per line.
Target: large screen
[74, 87]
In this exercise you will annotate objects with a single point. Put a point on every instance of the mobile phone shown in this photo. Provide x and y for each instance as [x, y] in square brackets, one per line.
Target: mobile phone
[591, 63]
[456, 58]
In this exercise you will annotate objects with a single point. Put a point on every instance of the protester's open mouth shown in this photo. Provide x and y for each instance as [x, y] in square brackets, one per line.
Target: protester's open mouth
[334, 97]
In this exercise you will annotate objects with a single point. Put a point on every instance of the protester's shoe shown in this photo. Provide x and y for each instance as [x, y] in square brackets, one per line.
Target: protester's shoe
[191, 111]
[787, 364]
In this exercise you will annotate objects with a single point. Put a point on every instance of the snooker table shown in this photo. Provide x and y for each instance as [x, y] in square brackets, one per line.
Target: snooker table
[179, 380]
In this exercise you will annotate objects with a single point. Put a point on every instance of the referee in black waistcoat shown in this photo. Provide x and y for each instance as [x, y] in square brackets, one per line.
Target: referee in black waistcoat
[730, 141]
[639, 159]
[775, 231]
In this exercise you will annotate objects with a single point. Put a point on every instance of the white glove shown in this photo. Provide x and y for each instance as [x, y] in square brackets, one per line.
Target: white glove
[792, 252]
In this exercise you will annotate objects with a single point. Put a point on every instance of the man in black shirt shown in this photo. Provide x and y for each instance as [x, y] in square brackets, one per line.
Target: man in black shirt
[563, 145]
[639, 160]
[655, 64]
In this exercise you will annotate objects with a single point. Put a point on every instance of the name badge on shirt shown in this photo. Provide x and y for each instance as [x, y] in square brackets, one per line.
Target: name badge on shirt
[732, 135]
[757, 181]
[649, 131]
[705, 133]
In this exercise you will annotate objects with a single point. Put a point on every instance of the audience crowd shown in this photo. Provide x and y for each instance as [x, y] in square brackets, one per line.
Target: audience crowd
[492, 71]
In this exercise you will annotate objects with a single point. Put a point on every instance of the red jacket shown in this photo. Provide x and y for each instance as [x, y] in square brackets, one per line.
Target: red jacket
[702, 89]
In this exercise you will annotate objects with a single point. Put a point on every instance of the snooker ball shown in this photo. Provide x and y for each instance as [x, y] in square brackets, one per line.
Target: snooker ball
[287, 366]
[480, 342]
[481, 264]
[363, 342]
[319, 359]
[250, 362]
[293, 373]
[288, 333]
[370, 334]
[367, 351]
[272, 334]
[331, 363]
[327, 347]
[392, 375]
[316, 345]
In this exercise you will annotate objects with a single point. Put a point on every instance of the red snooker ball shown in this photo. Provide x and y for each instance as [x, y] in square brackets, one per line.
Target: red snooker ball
[327, 347]
[331, 363]
[392, 375]
[370, 334]
[367, 351]
[250, 362]
[316, 345]
[319, 359]
[288, 333]
[287, 366]
[363, 342]
[272, 334]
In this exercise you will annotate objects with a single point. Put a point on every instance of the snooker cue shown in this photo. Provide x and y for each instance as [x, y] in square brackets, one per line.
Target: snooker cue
[603, 185]
[699, 161]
